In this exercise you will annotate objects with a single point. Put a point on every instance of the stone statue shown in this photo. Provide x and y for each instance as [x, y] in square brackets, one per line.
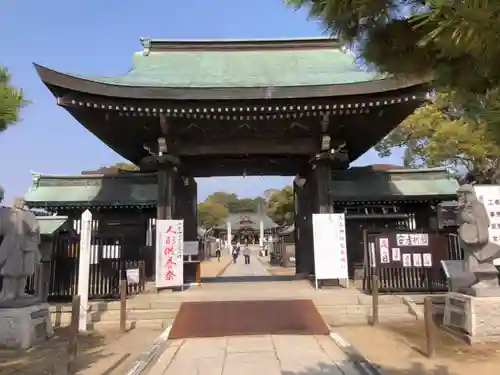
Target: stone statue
[479, 252]
[19, 253]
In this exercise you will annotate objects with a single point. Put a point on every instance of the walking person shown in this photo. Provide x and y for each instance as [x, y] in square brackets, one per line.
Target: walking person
[246, 254]
[217, 249]
[235, 255]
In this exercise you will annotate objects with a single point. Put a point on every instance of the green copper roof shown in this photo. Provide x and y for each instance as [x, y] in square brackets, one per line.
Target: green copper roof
[50, 224]
[181, 64]
[92, 190]
[364, 184]
[241, 69]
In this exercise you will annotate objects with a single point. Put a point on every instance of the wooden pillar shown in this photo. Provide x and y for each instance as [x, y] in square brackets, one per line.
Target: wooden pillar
[299, 234]
[165, 192]
[323, 177]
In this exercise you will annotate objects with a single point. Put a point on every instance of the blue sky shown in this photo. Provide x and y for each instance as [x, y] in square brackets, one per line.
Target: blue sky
[98, 37]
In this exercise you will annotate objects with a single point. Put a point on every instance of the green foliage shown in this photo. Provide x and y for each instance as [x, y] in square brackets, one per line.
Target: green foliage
[280, 205]
[115, 168]
[11, 101]
[438, 134]
[457, 43]
[211, 213]
[125, 166]
[277, 204]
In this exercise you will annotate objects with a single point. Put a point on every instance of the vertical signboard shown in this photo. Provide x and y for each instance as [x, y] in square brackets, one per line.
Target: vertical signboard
[169, 253]
[330, 250]
[489, 196]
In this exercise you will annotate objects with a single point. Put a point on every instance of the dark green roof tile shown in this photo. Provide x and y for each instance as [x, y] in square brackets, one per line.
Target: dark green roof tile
[364, 184]
[92, 190]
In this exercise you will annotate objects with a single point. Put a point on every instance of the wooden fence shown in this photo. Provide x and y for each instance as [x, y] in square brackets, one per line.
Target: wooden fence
[408, 261]
[109, 262]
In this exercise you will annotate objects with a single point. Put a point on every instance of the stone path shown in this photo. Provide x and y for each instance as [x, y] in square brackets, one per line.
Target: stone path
[252, 355]
[240, 269]
[212, 267]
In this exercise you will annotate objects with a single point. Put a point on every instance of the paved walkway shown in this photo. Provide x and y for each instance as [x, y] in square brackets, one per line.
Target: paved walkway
[212, 267]
[254, 355]
[240, 269]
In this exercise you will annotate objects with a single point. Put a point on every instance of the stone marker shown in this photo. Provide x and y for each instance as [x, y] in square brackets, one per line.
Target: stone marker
[84, 268]
[475, 309]
[24, 318]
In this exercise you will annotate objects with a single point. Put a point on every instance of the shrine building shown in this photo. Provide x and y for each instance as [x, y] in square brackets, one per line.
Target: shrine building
[187, 109]
[250, 227]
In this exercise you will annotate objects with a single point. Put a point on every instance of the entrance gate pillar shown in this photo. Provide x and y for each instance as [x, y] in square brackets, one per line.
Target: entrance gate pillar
[164, 208]
[229, 236]
[261, 232]
[323, 177]
[185, 205]
[312, 195]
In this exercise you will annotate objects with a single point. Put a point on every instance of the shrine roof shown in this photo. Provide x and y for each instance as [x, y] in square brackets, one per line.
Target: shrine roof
[92, 190]
[248, 220]
[397, 184]
[50, 224]
[233, 69]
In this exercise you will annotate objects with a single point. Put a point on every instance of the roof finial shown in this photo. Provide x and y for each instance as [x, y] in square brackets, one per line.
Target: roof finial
[146, 44]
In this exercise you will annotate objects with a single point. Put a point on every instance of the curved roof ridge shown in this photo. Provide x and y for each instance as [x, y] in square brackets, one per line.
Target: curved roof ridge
[151, 44]
[88, 176]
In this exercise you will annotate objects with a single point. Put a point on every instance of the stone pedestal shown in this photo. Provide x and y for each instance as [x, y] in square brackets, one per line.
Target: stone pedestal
[477, 318]
[21, 328]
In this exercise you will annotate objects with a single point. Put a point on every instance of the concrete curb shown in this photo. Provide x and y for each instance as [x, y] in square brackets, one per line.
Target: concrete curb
[146, 357]
[221, 272]
[359, 361]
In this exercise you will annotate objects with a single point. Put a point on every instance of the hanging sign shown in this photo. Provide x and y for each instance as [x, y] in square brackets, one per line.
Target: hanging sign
[384, 250]
[133, 276]
[169, 253]
[396, 254]
[412, 239]
[330, 246]
[406, 260]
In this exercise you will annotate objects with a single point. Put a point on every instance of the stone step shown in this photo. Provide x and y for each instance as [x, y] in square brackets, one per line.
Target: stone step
[338, 320]
[134, 314]
[130, 324]
[365, 310]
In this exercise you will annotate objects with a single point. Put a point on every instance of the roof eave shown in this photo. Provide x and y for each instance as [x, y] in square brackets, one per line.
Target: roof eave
[53, 78]
[395, 198]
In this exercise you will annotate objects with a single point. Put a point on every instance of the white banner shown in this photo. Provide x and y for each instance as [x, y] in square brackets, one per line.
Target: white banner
[169, 253]
[489, 195]
[330, 249]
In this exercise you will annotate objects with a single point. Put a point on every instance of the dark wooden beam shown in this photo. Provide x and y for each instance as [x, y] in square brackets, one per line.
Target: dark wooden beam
[251, 166]
[297, 146]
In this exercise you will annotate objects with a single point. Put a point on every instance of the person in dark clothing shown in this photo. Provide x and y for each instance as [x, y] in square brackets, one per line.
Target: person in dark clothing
[235, 254]
[246, 254]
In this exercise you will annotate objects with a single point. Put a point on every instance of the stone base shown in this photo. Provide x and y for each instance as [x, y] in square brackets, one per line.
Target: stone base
[21, 328]
[477, 318]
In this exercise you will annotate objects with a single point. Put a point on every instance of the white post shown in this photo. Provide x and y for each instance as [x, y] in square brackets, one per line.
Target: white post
[84, 268]
[261, 236]
[229, 236]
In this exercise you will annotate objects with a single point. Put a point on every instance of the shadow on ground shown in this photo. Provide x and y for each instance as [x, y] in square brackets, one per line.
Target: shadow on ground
[50, 358]
[248, 279]
[447, 345]
[413, 369]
